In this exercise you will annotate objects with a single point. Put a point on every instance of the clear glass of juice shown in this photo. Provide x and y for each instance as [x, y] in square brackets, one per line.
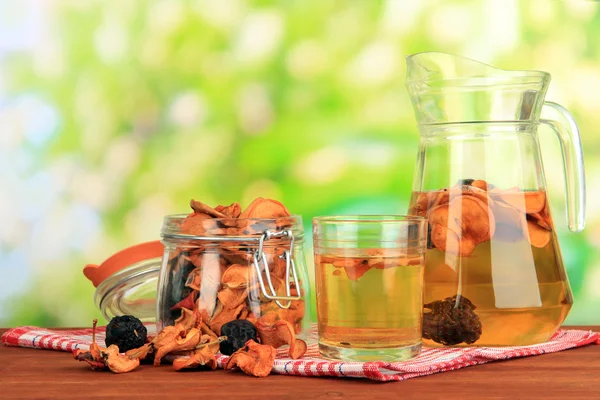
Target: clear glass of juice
[369, 282]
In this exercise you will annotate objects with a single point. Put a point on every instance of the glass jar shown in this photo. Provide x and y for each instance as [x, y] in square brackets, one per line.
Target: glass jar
[218, 276]
[126, 281]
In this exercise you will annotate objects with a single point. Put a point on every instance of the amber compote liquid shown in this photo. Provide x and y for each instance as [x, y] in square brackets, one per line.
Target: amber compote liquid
[369, 304]
[498, 249]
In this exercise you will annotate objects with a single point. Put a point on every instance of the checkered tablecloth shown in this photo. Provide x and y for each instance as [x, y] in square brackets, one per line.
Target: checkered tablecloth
[431, 360]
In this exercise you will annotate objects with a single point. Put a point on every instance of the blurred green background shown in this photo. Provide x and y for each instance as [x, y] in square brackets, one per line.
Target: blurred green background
[114, 114]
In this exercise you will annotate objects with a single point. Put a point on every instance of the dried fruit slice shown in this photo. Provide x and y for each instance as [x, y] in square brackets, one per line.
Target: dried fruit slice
[255, 359]
[232, 298]
[277, 333]
[232, 211]
[449, 241]
[194, 279]
[200, 207]
[187, 342]
[194, 224]
[237, 276]
[354, 273]
[265, 208]
[295, 313]
[543, 217]
[443, 197]
[118, 363]
[422, 204]
[203, 356]
[538, 236]
[480, 183]
[524, 201]
[187, 302]
[462, 224]
[188, 318]
[224, 315]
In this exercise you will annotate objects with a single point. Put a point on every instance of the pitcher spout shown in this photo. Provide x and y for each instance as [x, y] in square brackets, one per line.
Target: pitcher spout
[446, 88]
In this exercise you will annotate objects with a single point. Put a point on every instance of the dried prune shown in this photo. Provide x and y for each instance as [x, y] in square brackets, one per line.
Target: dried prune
[127, 332]
[238, 332]
[451, 321]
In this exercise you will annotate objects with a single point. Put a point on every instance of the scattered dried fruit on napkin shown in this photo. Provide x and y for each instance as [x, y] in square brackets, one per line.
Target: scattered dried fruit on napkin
[255, 359]
[99, 358]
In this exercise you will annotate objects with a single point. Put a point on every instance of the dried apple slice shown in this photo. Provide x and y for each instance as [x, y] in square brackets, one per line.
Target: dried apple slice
[354, 273]
[223, 315]
[538, 236]
[443, 197]
[534, 201]
[232, 298]
[459, 226]
[237, 276]
[119, 363]
[194, 279]
[203, 356]
[194, 224]
[187, 318]
[525, 202]
[294, 314]
[265, 208]
[200, 207]
[233, 210]
[255, 359]
[277, 333]
[476, 220]
[187, 342]
[422, 204]
[542, 220]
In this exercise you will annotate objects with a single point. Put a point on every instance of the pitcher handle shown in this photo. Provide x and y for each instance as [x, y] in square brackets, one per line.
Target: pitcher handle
[563, 124]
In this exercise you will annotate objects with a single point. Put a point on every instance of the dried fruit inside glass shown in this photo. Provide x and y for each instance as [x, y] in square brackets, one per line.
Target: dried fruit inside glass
[369, 299]
[493, 274]
[220, 265]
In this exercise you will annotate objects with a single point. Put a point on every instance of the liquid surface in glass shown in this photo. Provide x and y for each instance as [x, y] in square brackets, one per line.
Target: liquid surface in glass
[369, 299]
[494, 273]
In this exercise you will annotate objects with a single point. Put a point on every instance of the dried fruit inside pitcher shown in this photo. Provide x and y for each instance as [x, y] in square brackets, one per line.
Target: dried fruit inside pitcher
[473, 212]
[493, 274]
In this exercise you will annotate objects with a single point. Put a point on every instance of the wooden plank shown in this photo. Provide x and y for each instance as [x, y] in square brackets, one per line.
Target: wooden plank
[42, 374]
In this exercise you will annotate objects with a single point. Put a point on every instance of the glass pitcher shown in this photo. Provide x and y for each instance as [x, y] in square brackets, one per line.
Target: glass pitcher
[494, 273]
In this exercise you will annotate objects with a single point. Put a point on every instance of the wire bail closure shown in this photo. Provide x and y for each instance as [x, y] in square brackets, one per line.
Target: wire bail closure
[261, 264]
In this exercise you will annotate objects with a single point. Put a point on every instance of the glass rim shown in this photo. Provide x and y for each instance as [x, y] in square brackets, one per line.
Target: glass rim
[369, 218]
[171, 228]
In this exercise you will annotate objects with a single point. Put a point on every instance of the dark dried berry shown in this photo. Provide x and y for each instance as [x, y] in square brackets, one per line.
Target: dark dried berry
[451, 321]
[127, 332]
[238, 332]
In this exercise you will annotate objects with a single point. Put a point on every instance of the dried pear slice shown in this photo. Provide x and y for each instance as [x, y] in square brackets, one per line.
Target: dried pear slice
[480, 183]
[538, 236]
[525, 202]
[459, 226]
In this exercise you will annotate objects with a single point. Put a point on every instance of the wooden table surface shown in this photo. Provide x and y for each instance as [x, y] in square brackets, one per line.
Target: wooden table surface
[45, 374]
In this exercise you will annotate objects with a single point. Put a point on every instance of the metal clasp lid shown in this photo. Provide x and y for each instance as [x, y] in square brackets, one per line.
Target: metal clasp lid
[261, 258]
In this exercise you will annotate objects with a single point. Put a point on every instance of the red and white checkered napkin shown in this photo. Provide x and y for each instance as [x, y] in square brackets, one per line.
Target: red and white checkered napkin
[431, 360]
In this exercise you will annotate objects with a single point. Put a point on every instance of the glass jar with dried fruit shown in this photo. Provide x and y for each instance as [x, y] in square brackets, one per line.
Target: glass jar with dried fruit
[494, 275]
[221, 264]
